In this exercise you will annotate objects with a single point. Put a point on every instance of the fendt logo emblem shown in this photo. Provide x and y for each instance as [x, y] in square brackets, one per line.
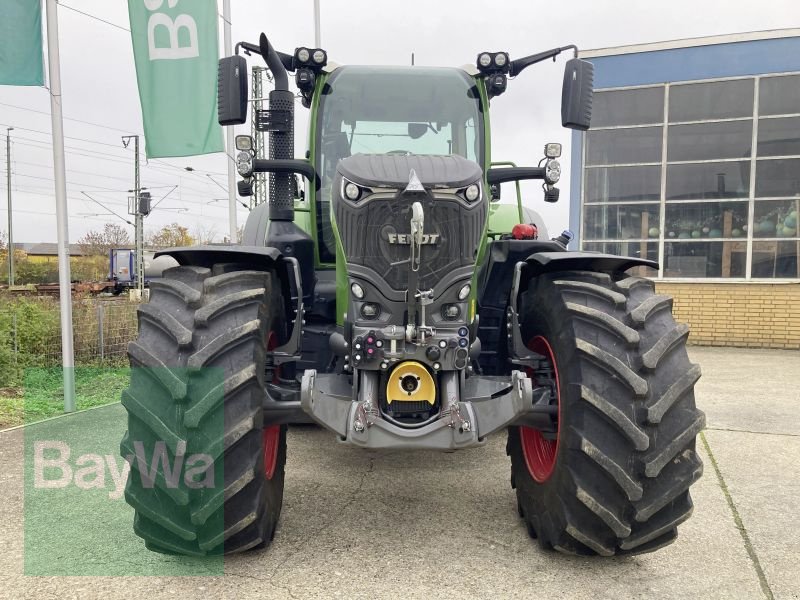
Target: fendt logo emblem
[430, 239]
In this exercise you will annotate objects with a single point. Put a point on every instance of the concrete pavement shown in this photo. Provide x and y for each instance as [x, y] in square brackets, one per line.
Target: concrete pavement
[417, 525]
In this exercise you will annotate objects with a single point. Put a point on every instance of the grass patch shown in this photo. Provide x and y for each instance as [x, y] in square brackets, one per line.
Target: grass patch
[43, 393]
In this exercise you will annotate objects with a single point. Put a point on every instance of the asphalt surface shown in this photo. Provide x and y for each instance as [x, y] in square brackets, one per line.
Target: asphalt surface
[357, 524]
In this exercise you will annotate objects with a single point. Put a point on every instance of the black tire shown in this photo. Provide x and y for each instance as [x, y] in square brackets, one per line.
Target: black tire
[626, 455]
[198, 377]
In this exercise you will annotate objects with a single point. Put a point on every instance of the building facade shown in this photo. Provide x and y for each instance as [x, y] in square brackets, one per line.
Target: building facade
[693, 160]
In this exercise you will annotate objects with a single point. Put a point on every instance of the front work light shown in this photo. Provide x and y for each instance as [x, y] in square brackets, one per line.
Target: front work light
[319, 56]
[244, 142]
[485, 60]
[472, 192]
[303, 55]
[464, 292]
[552, 150]
[500, 59]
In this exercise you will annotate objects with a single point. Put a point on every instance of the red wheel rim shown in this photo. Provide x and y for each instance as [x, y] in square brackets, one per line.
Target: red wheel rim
[540, 453]
[272, 434]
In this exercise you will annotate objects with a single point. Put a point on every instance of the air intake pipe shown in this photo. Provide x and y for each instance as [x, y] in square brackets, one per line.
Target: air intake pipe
[281, 135]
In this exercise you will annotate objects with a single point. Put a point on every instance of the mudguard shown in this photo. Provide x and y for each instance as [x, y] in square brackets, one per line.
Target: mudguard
[207, 256]
[549, 262]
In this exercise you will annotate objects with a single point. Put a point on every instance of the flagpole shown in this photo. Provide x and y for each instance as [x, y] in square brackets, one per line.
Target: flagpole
[64, 281]
[231, 150]
[317, 33]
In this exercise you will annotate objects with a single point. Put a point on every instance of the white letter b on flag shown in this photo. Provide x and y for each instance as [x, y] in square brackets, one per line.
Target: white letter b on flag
[174, 51]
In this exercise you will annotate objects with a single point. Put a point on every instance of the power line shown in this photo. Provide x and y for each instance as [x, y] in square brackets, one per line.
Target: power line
[93, 17]
[42, 112]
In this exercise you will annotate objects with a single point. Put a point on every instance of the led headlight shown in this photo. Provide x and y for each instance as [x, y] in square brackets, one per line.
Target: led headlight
[500, 59]
[357, 290]
[303, 55]
[319, 56]
[552, 171]
[472, 192]
[351, 191]
[464, 292]
[485, 60]
[244, 164]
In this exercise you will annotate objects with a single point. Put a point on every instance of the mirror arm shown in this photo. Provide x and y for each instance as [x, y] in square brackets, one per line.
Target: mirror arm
[292, 165]
[518, 65]
[514, 174]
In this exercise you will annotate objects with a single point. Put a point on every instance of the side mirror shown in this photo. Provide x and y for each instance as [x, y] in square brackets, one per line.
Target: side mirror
[232, 90]
[576, 94]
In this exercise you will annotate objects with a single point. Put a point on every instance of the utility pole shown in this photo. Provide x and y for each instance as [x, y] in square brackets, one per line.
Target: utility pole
[229, 146]
[10, 219]
[134, 208]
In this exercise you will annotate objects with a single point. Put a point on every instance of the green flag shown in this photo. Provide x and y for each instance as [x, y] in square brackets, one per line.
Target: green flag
[21, 58]
[175, 47]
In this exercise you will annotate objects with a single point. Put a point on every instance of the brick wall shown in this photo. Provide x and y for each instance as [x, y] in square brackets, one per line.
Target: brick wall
[754, 315]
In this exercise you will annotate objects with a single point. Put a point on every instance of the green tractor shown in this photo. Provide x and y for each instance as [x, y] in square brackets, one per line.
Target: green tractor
[398, 304]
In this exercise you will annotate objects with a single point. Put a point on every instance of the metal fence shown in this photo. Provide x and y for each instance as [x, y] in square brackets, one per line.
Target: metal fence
[30, 331]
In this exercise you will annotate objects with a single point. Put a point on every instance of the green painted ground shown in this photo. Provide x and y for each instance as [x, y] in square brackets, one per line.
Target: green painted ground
[70, 530]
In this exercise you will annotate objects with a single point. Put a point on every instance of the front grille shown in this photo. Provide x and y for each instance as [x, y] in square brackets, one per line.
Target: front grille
[365, 233]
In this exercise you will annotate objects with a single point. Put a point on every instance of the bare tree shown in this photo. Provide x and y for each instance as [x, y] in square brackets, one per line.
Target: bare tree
[98, 243]
[204, 234]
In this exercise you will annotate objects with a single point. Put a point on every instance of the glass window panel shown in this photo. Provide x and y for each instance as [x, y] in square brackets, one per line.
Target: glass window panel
[773, 219]
[648, 250]
[778, 178]
[616, 146]
[705, 259]
[779, 95]
[706, 141]
[621, 222]
[609, 184]
[776, 259]
[706, 220]
[708, 180]
[779, 137]
[628, 107]
[716, 100]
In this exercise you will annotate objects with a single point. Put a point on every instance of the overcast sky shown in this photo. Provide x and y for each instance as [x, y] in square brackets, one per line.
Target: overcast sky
[99, 86]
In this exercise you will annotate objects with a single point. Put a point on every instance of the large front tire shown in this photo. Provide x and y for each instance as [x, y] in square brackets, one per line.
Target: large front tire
[198, 388]
[616, 477]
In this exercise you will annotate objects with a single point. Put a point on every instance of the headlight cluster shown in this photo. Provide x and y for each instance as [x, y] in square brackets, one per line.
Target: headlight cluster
[552, 171]
[316, 57]
[493, 61]
[244, 163]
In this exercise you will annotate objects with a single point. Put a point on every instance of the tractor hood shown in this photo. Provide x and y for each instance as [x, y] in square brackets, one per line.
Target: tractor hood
[392, 170]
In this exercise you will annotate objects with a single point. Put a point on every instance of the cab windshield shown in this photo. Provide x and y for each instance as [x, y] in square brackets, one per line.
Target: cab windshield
[392, 110]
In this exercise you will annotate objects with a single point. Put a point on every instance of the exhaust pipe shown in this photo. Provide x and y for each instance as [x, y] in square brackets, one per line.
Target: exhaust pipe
[281, 135]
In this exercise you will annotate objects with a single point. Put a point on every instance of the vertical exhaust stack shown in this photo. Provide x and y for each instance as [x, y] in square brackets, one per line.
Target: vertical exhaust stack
[281, 135]
[282, 232]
